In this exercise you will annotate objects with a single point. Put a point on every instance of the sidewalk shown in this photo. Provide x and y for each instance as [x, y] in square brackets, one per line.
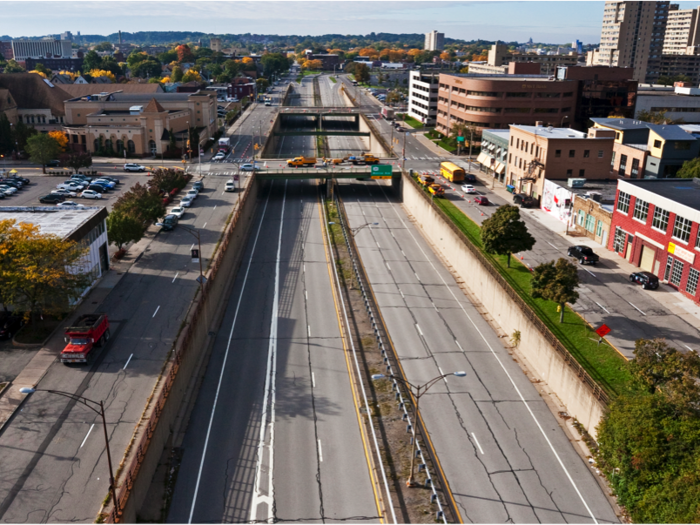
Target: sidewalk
[12, 399]
[665, 296]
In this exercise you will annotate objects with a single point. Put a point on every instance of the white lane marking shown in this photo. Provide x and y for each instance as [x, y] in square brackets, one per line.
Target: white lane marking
[589, 272]
[154, 313]
[443, 374]
[308, 330]
[223, 366]
[387, 265]
[603, 307]
[689, 348]
[378, 245]
[205, 225]
[86, 435]
[552, 245]
[403, 253]
[419, 330]
[304, 267]
[306, 294]
[636, 309]
[214, 207]
[477, 443]
[128, 361]
[414, 273]
[191, 246]
[271, 390]
[493, 352]
[178, 273]
[459, 345]
[320, 451]
[402, 295]
[313, 380]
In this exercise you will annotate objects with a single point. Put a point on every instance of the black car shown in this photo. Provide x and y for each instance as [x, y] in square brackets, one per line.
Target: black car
[53, 164]
[10, 326]
[81, 178]
[14, 183]
[525, 201]
[23, 180]
[584, 254]
[468, 177]
[99, 188]
[52, 198]
[112, 179]
[169, 222]
[648, 280]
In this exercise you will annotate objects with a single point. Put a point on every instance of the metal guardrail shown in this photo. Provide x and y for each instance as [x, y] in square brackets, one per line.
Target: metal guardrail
[131, 469]
[437, 483]
[597, 391]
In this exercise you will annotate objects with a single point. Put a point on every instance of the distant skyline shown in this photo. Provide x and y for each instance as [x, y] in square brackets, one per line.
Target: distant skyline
[549, 22]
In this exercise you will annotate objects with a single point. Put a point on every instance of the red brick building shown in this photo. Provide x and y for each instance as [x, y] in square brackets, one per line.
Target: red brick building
[656, 225]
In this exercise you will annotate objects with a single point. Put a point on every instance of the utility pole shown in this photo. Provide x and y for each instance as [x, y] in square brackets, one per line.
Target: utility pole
[403, 151]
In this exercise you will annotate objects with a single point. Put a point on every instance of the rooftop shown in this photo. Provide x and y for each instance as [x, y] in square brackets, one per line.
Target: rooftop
[682, 191]
[606, 189]
[510, 78]
[671, 132]
[555, 133]
[55, 220]
[621, 123]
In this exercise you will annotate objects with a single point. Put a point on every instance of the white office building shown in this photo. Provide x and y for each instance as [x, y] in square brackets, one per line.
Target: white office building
[24, 49]
[423, 96]
[434, 41]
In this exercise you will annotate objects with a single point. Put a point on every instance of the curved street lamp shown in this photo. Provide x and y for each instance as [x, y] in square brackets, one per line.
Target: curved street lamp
[92, 405]
[417, 392]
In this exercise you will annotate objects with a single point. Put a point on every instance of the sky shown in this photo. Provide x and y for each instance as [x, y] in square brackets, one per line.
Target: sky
[547, 22]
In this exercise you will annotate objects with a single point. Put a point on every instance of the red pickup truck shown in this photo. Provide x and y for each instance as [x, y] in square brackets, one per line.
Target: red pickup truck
[90, 330]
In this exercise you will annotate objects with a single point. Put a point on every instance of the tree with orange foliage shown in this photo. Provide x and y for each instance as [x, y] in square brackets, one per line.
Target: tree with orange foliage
[397, 55]
[59, 137]
[184, 53]
[445, 56]
[314, 64]
[413, 52]
[248, 60]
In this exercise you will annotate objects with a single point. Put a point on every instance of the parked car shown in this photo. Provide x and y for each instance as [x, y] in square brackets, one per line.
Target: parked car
[186, 201]
[192, 193]
[7, 190]
[113, 179]
[179, 211]
[11, 326]
[169, 222]
[134, 167]
[106, 182]
[81, 179]
[218, 156]
[53, 164]
[648, 280]
[230, 186]
[468, 188]
[70, 204]
[91, 194]
[65, 193]
[71, 186]
[25, 180]
[98, 187]
[483, 201]
[525, 201]
[249, 167]
[14, 183]
[52, 199]
[198, 185]
[584, 254]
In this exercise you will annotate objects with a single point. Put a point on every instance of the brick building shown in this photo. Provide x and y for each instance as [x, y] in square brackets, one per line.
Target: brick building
[55, 64]
[241, 87]
[6, 50]
[592, 210]
[656, 225]
[537, 153]
[38, 103]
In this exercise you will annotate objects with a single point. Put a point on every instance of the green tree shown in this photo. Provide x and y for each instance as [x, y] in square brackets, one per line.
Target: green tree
[141, 202]
[690, 169]
[123, 229]
[41, 68]
[104, 46]
[13, 67]
[167, 180]
[110, 64]
[76, 160]
[42, 148]
[177, 74]
[22, 132]
[556, 282]
[91, 61]
[147, 68]
[168, 56]
[504, 233]
[361, 72]
[172, 142]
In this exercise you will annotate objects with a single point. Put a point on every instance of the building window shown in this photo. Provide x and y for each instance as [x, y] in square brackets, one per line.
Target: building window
[697, 240]
[572, 153]
[599, 229]
[660, 219]
[657, 143]
[557, 153]
[635, 168]
[581, 173]
[681, 229]
[682, 145]
[692, 285]
[569, 173]
[586, 153]
[581, 216]
[619, 242]
[623, 202]
[641, 210]
[612, 161]
[623, 165]
[677, 273]
[617, 136]
[590, 223]
[600, 153]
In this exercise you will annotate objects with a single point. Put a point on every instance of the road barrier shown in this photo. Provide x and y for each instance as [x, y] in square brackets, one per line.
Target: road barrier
[136, 470]
[436, 482]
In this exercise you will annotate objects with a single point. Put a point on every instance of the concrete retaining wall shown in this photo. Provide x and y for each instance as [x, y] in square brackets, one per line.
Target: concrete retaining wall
[583, 398]
[141, 460]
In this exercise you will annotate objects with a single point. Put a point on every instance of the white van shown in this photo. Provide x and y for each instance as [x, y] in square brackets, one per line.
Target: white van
[230, 186]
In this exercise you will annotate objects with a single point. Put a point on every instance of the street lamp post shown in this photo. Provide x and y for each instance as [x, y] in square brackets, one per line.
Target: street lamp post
[417, 392]
[565, 117]
[355, 230]
[92, 405]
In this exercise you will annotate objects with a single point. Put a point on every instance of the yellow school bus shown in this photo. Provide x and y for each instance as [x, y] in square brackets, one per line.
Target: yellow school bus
[451, 172]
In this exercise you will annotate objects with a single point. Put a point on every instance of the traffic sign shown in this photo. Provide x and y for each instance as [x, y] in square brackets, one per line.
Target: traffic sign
[195, 255]
[460, 139]
[382, 170]
[603, 330]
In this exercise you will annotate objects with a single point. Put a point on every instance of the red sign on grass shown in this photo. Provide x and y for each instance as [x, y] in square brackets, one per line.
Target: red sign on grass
[603, 330]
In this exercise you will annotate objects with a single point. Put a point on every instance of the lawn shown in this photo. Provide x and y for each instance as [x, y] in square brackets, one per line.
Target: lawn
[444, 145]
[413, 122]
[603, 363]
[333, 79]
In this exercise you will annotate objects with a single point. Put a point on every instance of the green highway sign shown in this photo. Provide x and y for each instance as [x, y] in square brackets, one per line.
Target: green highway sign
[460, 139]
[382, 169]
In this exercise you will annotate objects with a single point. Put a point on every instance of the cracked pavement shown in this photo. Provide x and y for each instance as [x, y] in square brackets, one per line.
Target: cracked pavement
[503, 452]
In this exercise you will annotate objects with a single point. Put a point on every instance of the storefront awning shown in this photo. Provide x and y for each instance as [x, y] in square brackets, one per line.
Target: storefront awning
[500, 168]
[484, 159]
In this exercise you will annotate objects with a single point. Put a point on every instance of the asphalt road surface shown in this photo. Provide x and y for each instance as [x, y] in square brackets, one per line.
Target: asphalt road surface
[274, 433]
[504, 454]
